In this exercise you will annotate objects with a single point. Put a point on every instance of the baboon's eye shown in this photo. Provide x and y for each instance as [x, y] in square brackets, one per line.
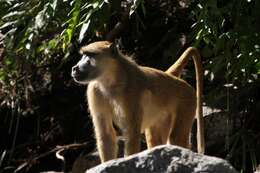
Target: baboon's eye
[88, 60]
[91, 54]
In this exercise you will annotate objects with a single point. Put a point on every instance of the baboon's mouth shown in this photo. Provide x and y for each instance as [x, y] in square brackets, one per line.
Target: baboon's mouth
[78, 77]
[84, 76]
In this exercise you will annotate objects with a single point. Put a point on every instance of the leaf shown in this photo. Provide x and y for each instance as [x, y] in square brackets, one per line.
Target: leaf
[69, 32]
[13, 14]
[72, 22]
[88, 15]
[258, 67]
[8, 61]
[86, 6]
[44, 16]
[83, 30]
[2, 78]
[54, 4]
[4, 152]
[199, 34]
[95, 4]
[8, 24]
[52, 43]
[134, 6]
[219, 64]
[143, 8]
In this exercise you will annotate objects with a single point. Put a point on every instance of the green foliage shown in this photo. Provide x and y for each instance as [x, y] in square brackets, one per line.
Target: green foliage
[229, 37]
[230, 33]
[38, 38]
[39, 33]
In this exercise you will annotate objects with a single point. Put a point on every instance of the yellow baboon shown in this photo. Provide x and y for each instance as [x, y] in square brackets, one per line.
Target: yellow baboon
[138, 99]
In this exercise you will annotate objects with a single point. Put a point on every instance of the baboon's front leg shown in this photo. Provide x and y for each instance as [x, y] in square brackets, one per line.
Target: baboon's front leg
[132, 131]
[101, 112]
[182, 125]
[105, 137]
[132, 140]
[153, 137]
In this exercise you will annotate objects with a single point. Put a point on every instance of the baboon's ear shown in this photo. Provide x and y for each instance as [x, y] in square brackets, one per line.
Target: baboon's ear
[114, 47]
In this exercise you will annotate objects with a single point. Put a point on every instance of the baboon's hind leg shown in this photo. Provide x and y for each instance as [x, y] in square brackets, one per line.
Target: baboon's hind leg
[158, 133]
[152, 137]
[181, 127]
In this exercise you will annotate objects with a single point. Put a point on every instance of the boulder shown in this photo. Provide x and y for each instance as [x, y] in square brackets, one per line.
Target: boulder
[165, 159]
[216, 127]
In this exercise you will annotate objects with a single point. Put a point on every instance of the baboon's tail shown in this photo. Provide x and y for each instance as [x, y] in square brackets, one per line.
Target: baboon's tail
[176, 70]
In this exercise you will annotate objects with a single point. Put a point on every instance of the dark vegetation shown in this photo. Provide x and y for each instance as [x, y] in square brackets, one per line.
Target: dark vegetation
[42, 108]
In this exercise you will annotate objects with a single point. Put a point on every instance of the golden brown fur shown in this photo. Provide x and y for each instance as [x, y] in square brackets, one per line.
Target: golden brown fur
[139, 100]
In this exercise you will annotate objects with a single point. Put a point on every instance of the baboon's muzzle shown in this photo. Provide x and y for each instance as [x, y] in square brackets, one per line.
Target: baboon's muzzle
[78, 74]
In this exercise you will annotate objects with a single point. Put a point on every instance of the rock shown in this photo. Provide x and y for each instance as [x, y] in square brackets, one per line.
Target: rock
[87, 161]
[51, 172]
[216, 127]
[84, 162]
[165, 159]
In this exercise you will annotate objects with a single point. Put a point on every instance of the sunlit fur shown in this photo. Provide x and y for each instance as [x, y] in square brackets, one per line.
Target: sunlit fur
[138, 100]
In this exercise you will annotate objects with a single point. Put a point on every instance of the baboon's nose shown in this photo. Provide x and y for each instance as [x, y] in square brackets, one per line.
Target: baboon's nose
[75, 69]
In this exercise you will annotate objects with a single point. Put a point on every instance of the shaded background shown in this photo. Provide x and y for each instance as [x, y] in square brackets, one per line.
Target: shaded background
[42, 108]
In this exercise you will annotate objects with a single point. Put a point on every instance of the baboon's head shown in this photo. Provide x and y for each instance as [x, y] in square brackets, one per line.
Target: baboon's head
[96, 59]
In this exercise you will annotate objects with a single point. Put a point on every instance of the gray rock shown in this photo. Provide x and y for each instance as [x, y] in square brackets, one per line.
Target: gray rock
[216, 127]
[51, 172]
[165, 159]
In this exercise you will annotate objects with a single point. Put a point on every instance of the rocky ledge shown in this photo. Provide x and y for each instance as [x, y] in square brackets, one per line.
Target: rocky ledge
[165, 159]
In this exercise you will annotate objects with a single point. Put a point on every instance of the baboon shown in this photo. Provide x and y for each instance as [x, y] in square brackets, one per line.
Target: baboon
[137, 99]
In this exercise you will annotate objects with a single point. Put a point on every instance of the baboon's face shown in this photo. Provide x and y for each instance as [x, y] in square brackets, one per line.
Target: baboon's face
[96, 61]
[86, 69]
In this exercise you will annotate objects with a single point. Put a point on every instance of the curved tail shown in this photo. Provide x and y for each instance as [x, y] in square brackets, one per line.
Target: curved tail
[176, 70]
